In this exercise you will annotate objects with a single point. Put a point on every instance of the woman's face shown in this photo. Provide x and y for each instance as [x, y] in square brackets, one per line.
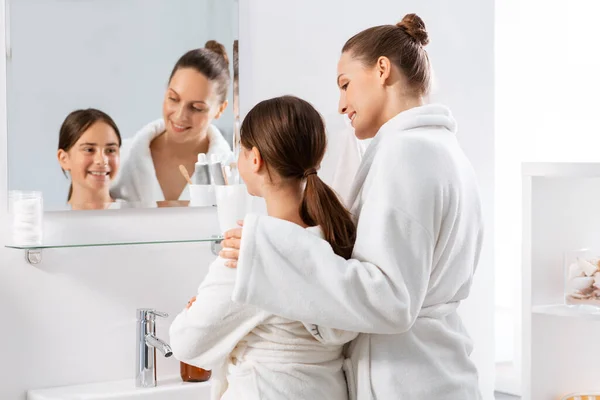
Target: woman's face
[93, 161]
[190, 105]
[362, 95]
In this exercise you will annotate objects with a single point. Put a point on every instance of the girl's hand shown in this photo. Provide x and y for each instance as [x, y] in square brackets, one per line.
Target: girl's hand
[231, 246]
[189, 304]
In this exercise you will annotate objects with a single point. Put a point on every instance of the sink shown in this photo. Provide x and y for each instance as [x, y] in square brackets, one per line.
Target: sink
[167, 389]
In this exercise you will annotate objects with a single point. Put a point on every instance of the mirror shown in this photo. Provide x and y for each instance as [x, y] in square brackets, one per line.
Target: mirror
[82, 72]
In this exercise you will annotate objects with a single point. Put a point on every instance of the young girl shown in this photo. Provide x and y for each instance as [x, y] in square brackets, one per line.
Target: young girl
[268, 357]
[88, 148]
[418, 240]
[195, 97]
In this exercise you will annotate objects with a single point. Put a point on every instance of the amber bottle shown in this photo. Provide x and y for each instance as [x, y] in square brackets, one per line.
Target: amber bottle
[189, 373]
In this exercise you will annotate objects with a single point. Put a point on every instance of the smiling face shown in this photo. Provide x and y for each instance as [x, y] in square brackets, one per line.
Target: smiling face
[190, 104]
[362, 95]
[93, 161]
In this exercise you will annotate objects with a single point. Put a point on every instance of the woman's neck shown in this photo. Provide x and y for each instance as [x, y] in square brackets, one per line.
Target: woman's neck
[83, 198]
[397, 104]
[181, 150]
[284, 203]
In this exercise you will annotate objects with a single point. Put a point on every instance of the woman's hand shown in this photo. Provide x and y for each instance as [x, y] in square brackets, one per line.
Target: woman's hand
[231, 246]
[192, 300]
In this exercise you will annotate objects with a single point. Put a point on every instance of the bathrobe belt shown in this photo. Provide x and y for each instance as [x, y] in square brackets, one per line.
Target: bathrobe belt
[244, 353]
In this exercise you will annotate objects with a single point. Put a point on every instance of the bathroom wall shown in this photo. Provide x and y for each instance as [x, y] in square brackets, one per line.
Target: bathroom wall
[71, 319]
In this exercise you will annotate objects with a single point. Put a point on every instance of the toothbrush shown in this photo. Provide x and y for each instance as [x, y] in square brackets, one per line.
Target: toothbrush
[185, 174]
[227, 175]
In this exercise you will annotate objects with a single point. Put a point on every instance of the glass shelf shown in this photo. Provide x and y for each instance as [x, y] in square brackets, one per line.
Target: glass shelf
[33, 253]
[216, 238]
[562, 310]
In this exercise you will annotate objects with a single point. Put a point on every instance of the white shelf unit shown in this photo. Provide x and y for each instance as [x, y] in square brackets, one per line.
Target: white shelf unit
[561, 344]
[560, 310]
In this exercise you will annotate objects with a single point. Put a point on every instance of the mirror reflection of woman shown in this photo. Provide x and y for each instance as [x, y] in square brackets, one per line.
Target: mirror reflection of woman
[196, 95]
[88, 149]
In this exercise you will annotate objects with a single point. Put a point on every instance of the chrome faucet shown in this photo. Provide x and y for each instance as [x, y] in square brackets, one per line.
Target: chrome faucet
[146, 345]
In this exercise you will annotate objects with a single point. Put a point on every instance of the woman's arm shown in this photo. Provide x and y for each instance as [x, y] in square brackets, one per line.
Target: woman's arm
[292, 273]
[206, 332]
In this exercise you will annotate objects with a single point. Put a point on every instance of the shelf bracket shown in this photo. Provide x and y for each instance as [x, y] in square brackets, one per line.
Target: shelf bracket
[33, 256]
[215, 245]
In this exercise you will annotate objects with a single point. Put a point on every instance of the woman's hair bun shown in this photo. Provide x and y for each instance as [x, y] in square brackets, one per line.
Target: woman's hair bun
[414, 26]
[218, 48]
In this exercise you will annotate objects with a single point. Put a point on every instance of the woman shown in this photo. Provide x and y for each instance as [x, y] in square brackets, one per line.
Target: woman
[88, 148]
[419, 234]
[196, 95]
[261, 355]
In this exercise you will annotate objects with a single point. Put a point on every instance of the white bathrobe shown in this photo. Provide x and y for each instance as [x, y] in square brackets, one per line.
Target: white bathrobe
[419, 236]
[137, 181]
[254, 354]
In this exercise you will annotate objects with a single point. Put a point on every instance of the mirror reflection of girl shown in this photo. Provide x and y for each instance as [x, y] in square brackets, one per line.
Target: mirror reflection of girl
[88, 149]
[196, 95]
[267, 357]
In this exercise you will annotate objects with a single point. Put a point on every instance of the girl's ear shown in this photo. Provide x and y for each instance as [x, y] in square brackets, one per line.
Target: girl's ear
[63, 160]
[256, 160]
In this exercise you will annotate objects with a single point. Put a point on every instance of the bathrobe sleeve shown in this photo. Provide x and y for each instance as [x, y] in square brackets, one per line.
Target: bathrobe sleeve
[290, 272]
[206, 333]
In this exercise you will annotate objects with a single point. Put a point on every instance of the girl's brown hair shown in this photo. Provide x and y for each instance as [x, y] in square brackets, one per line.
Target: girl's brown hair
[212, 62]
[290, 136]
[403, 44]
[75, 125]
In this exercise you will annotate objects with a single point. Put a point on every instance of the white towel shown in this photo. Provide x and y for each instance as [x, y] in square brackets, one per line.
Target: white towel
[136, 180]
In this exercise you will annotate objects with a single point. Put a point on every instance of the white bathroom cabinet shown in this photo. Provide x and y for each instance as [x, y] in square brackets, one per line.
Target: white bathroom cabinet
[561, 344]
